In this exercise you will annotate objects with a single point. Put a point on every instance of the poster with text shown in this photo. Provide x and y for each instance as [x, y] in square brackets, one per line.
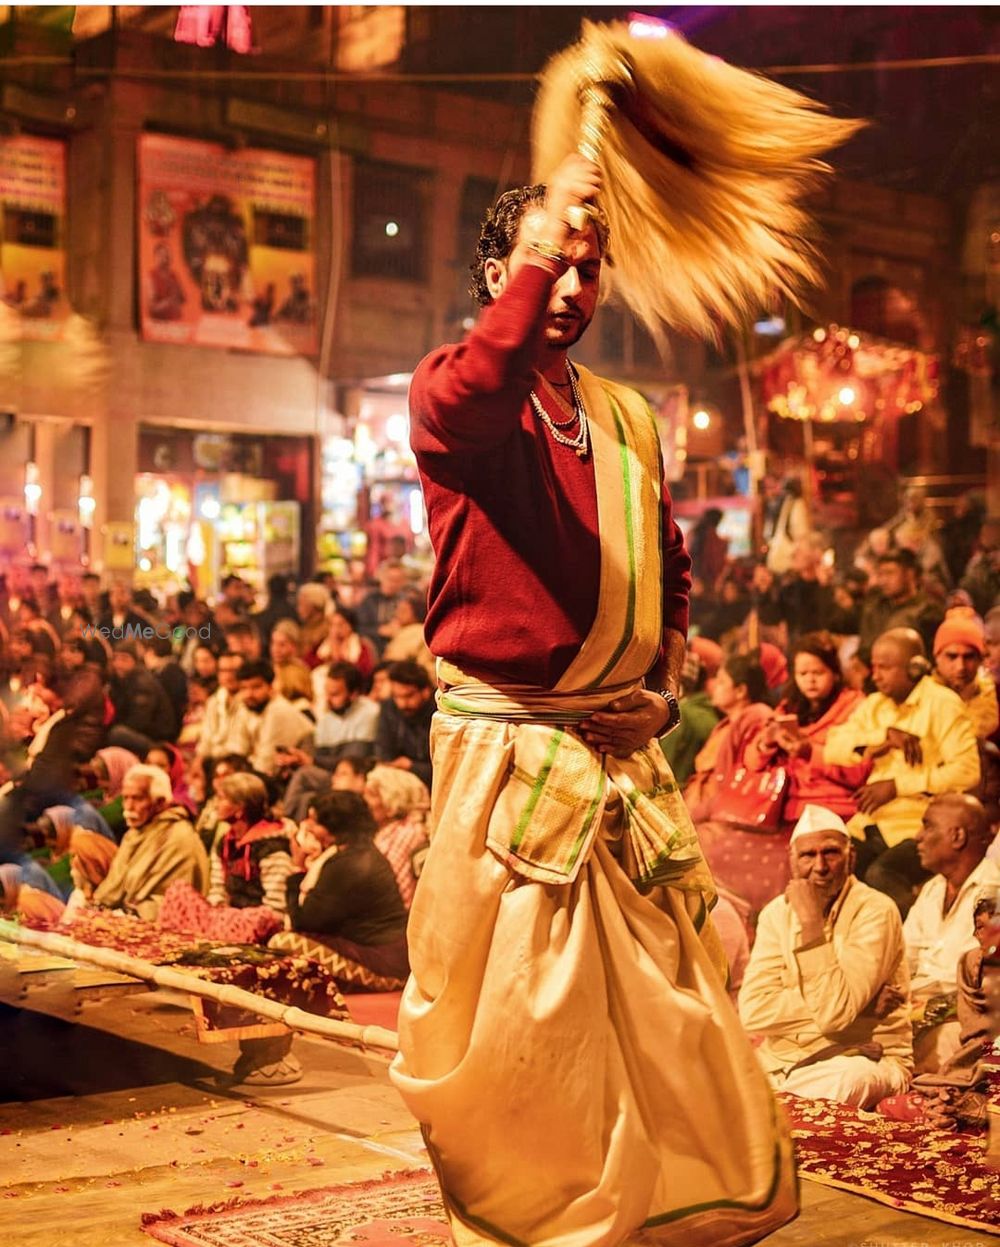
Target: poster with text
[32, 241]
[226, 253]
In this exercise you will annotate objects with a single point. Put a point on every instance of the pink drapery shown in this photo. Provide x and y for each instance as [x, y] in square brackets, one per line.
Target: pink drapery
[207, 24]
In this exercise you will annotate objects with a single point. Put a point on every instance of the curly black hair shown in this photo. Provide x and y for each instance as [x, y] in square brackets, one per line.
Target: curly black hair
[498, 234]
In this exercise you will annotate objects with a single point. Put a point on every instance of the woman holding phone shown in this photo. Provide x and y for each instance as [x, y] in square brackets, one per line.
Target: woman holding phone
[815, 700]
[753, 865]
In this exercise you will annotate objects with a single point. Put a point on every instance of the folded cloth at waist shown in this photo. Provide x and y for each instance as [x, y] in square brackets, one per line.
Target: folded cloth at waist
[551, 790]
[462, 694]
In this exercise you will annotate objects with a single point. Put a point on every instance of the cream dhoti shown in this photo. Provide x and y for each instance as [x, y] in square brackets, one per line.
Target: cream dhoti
[566, 1040]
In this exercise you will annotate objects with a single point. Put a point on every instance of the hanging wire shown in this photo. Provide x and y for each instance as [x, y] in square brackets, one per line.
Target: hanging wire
[323, 75]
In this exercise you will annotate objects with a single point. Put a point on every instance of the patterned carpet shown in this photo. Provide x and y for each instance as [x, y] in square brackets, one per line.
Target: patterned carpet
[391, 1212]
[908, 1165]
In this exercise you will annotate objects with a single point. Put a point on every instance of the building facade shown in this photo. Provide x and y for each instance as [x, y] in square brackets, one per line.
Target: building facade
[168, 450]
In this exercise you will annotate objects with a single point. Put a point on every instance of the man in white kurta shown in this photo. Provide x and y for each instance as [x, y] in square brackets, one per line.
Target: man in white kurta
[827, 987]
[952, 841]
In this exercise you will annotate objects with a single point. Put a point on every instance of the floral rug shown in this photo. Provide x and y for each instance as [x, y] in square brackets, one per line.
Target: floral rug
[932, 1173]
[294, 981]
[908, 1165]
[391, 1211]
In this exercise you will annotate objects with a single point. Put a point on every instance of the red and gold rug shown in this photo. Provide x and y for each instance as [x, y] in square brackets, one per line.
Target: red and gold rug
[908, 1165]
[392, 1211]
[932, 1173]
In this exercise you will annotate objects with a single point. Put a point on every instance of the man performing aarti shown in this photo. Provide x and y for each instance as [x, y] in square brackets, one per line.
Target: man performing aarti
[566, 1040]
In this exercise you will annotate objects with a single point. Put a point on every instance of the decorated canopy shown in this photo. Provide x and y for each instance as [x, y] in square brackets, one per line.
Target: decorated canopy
[841, 374]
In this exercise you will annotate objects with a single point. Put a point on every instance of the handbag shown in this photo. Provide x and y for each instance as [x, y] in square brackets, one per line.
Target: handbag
[752, 800]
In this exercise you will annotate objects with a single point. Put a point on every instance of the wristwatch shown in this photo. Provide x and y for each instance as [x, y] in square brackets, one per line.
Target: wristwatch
[673, 706]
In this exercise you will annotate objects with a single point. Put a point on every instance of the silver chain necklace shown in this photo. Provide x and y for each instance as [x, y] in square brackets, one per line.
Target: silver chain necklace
[580, 441]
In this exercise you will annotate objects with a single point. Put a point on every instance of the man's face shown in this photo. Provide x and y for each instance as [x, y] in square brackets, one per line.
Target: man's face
[255, 692]
[762, 579]
[381, 687]
[137, 804]
[987, 931]
[226, 614]
[957, 665]
[893, 580]
[119, 597]
[205, 664]
[993, 644]
[71, 659]
[194, 614]
[39, 582]
[122, 665]
[409, 701]
[914, 503]
[889, 670]
[69, 590]
[989, 542]
[823, 859]
[392, 581]
[574, 296]
[20, 647]
[934, 839]
[337, 696]
[229, 665]
[805, 558]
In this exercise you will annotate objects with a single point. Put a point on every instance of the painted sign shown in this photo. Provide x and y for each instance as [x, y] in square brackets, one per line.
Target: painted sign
[226, 247]
[32, 234]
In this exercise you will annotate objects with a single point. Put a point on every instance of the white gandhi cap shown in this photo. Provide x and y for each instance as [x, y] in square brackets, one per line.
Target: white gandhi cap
[816, 818]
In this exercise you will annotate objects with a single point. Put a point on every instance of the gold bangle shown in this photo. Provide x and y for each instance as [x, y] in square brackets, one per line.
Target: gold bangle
[547, 250]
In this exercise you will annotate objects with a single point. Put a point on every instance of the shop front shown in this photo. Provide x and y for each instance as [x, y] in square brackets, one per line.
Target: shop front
[373, 507]
[210, 504]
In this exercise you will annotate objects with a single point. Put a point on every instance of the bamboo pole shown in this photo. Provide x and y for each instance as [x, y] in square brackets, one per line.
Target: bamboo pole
[192, 985]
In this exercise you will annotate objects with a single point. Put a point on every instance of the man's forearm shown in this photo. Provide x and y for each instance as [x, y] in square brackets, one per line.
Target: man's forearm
[667, 671]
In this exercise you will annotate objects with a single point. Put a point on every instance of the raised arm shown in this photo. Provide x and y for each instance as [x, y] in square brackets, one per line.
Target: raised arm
[469, 396]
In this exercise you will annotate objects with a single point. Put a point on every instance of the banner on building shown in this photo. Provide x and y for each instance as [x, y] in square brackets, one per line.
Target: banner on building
[226, 250]
[32, 241]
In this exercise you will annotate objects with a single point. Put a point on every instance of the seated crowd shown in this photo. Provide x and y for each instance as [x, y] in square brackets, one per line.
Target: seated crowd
[848, 805]
[265, 778]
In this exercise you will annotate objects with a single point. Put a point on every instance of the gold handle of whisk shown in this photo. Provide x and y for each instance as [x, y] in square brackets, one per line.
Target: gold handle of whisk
[596, 101]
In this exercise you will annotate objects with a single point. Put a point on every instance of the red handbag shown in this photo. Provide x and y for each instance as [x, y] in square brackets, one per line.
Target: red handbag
[752, 800]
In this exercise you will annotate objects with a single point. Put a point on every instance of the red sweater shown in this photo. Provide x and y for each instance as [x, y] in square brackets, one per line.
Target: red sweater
[512, 515]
